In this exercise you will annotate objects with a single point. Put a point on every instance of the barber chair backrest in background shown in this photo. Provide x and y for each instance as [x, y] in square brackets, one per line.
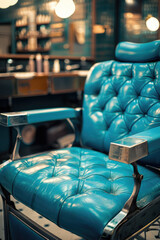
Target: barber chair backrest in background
[123, 98]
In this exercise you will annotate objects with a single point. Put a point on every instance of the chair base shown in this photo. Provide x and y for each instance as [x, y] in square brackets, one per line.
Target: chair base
[18, 226]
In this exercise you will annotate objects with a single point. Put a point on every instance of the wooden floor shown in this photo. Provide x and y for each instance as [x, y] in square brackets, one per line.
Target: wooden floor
[64, 235]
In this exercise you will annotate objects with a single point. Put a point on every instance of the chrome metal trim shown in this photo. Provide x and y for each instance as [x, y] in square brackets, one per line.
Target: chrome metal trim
[128, 150]
[73, 129]
[3, 120]
[15, 154]
[13, 119]
[109, 228]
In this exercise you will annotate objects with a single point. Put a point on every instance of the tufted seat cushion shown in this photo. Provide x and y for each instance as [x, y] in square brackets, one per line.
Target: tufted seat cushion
[78, 189]
[121, 99]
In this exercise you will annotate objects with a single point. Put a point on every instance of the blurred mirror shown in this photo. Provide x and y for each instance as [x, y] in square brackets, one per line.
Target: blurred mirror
[36, 28]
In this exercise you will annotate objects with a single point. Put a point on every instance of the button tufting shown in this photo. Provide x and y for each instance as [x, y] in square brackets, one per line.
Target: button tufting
[153, 76]
[109, 75]
[103, 107]
[96, 92]
[122, 111]
[116, 93]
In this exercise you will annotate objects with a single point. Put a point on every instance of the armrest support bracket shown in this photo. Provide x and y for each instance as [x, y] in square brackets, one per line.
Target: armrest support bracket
[127, 150]
[15, 154]
[16, 119]
[129, 207]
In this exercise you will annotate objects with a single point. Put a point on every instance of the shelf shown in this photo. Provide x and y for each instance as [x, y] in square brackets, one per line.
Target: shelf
[43, 50]
[33, 51]
[21, 38]
[39, 37]
[43, 23]
[43, 36]
[52, 57]
[23, 25]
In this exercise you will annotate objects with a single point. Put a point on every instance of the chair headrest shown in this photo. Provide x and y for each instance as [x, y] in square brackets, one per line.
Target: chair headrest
[138, 52]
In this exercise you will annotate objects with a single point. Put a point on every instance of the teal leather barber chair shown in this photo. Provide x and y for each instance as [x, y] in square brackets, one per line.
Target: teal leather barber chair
[89, 189]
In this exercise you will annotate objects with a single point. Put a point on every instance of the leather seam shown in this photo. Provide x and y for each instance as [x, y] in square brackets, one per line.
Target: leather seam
[96, 174]
[119, 90]
[139, 106]
[111, 65]
[150, 107]
[55, 165]
[149, 97]
[150, 69]
[100, 189]
[36, 189]
[24, 164]
[108, 125]
[153, 117]
[79, 180]
[154, 81]
[152, 74]
[58, 216]
[135, 122]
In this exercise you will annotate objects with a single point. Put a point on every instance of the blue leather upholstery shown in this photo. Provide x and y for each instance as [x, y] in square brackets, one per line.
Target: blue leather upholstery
[80, 189]
[138, 52]
[120, 99]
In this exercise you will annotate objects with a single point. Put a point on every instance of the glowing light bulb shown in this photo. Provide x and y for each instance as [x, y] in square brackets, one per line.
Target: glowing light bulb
[13, 2]
[4, 4]
[7, 3]
[152, 23]
[65, 8]
[130, 2]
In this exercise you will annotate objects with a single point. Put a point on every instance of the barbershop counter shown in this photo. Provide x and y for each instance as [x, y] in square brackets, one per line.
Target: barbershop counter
[23, 84]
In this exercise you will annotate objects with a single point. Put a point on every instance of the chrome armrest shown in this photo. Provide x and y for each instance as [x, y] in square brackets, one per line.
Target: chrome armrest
[135, 147]
[13, 119]
[128, 150]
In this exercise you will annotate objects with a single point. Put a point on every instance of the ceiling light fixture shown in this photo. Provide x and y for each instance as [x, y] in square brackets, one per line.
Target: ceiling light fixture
[65, 9]
[13, 2]
[4, 4]
[7, 3]
[130, 2]
[152, 23]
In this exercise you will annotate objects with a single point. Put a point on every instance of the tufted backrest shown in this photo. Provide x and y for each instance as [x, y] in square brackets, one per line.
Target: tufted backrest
[120, 99]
